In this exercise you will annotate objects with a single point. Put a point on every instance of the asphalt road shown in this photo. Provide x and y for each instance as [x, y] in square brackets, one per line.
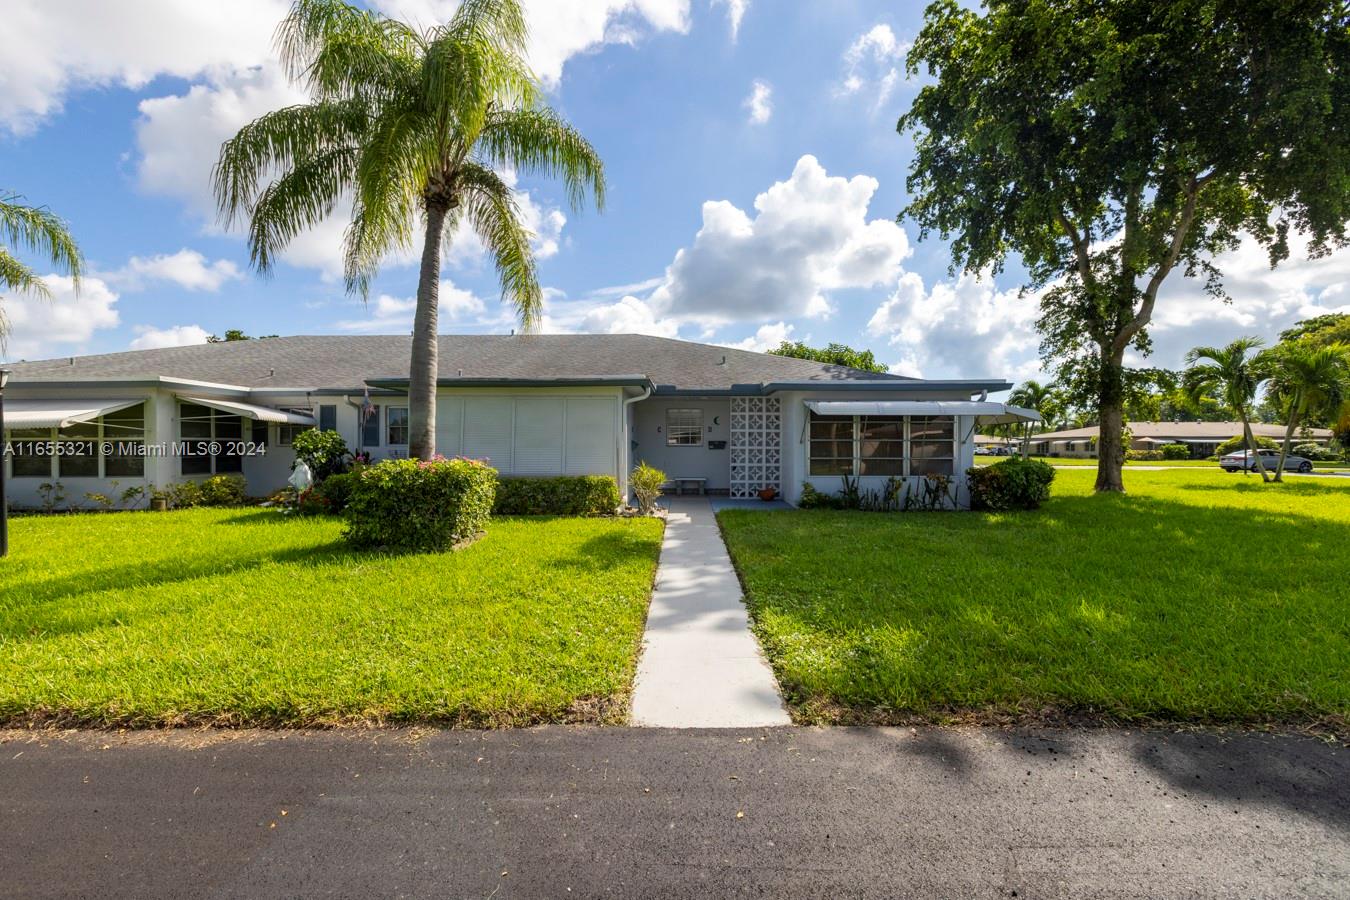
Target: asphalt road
[572, 812]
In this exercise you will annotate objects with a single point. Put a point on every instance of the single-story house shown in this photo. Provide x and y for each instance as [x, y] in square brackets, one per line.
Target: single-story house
[730, 421]
[1201, 437]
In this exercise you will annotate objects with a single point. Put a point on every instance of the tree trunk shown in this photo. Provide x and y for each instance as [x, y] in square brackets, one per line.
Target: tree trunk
[1251, 446]
[1288, 437]
[1111, 426]
[422, 368]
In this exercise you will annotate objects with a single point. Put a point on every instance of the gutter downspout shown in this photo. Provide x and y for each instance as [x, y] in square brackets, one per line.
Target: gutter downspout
[623, 436]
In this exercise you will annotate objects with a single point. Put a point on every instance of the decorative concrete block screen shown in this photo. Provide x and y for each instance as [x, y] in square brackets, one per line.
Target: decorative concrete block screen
[756, 445]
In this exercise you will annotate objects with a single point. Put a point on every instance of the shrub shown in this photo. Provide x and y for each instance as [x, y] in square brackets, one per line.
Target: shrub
[646, 481]
[408, 504]
[1175, 451]
[336, 491]
[1010, 484]
[814, 499]
[223, 490]
[183, 495]
[325, 452]
[565, 495]
[1144, 455]
[1310, 450]
[1235, 445]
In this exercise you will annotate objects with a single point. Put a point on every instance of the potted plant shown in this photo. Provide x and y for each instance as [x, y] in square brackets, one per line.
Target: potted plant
[768, 493]
[159, 500]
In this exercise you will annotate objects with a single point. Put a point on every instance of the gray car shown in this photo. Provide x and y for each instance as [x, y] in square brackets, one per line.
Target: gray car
[1236, 462]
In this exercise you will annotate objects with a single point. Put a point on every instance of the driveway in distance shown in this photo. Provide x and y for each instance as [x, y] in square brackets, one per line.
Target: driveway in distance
[624, 812]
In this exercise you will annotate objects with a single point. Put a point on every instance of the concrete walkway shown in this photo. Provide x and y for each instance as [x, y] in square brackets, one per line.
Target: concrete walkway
[701, 667]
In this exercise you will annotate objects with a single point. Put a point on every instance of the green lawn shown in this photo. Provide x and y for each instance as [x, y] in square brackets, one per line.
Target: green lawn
[250, 617]
[982, 460]
[1198, 596]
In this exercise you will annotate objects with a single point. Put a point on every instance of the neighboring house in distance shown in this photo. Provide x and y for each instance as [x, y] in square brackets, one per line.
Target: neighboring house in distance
[1202, 437]
[529, 405]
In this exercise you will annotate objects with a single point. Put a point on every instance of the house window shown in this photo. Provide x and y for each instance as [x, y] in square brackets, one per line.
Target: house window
[882, 445]
[831, 445]
[327, 417]
[107, 447]
[396, 417]
[370, 427]
[684, 428]
[203, 429]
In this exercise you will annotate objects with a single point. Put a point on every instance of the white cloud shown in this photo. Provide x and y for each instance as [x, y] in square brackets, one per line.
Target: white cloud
[150, 338]
[52, 49]
[394, 315]
[810, 236]
[188, 269]
[561, 29]
[872, 65]
[961, 328]
[765, 338]
[760, 102]
[40, 328]
[969, 327]
[628, 315]
[735, 13]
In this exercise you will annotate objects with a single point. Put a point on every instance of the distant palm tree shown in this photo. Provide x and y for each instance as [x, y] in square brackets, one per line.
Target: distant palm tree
[38, 230]
[1032, 394]
[408, 124]
[1234, 376]
[1306, 382]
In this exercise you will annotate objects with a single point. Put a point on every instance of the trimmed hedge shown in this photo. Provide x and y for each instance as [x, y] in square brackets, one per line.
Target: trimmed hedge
[336, 490]
[1011, 484]
[407, 504]
[564, 495]
[1175, 451]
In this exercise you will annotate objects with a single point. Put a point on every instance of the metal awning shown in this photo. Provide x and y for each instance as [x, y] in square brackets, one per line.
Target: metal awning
[986, 412]
[59, 413]
[253, 411]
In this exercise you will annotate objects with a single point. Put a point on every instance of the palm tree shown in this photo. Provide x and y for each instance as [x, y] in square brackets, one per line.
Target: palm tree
[1234, 377]
[1307, 382]
[406, 124]
[1033, 395]
[38, 230]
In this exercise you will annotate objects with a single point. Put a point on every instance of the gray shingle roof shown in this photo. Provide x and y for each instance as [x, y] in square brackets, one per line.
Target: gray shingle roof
[320, 362]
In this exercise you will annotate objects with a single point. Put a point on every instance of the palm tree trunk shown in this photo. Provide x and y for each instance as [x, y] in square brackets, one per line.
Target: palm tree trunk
[1251, 445]
[1288, 437]
[422, 368]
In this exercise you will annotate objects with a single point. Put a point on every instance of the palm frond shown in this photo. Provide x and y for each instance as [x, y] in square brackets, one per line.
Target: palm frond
[490, 207]
[330, 45]
[297, 201]
[538, 141]
[17, 277]
[41, 231]
[281, 141]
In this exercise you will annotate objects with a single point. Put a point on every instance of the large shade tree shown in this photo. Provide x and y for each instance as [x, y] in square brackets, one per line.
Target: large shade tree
[32, 229]
[1109, 144]
[1233, 374]
[406, 127]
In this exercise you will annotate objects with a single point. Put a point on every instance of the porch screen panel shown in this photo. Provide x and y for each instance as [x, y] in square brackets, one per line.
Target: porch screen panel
[539, 437]
[881, 445]
[487, 430]
[194, 425]
[932, 445]
[591, 444]
[124, 433]
[78, 446]
[31, 458]
[831, 445]
[756, 445]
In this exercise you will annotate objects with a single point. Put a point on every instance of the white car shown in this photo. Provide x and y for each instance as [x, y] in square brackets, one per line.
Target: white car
[1236, 462]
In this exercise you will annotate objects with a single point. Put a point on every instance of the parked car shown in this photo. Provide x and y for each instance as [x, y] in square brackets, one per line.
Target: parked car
[998, 450]
[1236, 462]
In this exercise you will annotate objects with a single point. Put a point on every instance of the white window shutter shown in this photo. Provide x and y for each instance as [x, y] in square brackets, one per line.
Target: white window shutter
[591, 437]
[449, 414]
[539, 437]
[487, 431]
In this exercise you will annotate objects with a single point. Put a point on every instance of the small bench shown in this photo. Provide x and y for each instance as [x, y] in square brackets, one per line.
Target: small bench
[679, 483]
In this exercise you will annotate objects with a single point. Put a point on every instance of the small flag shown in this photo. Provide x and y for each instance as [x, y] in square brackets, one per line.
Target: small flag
[367, 408]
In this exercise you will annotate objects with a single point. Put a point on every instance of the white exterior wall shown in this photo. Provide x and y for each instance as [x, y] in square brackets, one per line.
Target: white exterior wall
[795, 451]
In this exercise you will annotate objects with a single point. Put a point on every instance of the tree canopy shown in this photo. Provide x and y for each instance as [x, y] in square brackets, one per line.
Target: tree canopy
[834, 354]
[1108, 143]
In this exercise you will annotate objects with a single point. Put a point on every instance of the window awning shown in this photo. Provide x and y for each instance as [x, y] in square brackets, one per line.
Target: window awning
[986, 412]
[59, 413]
[257, 413]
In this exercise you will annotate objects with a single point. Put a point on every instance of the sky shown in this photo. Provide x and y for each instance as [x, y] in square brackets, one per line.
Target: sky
[754, 171]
